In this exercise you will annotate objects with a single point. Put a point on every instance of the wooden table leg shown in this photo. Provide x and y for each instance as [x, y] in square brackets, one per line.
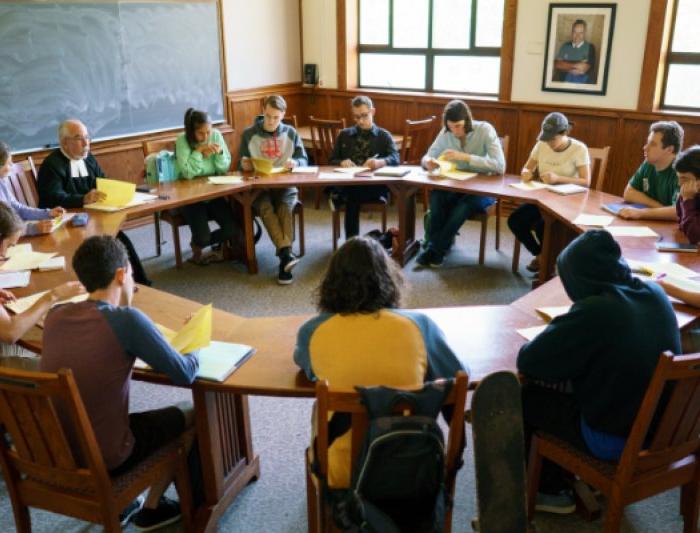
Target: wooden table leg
[405, 196]
[557, 236]
[226, 450]
[246, 199]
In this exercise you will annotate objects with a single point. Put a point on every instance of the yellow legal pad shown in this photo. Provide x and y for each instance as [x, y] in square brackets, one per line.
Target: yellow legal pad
[448, 169]
[264, 166]
[195, 334]
[119, 193]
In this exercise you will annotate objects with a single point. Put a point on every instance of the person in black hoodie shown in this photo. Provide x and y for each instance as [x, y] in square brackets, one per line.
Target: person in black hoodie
[605, 348]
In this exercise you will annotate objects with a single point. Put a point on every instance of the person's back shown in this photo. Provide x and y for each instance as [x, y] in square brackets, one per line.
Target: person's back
[360, 338]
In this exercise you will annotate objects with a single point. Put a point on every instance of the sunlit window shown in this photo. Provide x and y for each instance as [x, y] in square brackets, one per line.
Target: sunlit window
[431, 45]
[683, 66]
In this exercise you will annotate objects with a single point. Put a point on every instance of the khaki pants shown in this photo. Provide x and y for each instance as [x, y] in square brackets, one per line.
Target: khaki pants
[275, 207]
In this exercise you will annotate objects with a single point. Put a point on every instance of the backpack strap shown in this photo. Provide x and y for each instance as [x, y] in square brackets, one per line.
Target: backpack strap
[381, 401]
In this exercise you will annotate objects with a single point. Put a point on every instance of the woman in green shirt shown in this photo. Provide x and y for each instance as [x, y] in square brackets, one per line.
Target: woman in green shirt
[201, 151]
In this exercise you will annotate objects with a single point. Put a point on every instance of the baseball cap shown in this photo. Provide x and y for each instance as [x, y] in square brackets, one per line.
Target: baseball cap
[552, 125]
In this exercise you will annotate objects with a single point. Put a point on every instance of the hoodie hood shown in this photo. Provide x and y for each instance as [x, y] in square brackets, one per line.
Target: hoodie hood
[592, 264]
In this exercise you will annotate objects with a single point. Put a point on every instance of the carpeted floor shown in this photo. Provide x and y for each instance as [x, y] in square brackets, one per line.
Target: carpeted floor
[277, 502]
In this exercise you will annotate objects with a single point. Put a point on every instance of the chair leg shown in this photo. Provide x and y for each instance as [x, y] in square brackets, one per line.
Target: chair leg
[317, 197]
[613, 516]
[482, 240]
[498, 224]
[302, 243]
[311, 500]
[384, 219]
[336, 228]
[112, 524]
[176, 243]
[156, 226]
[516, 257]
[690, 504]
[426, 198]
[534, 467]
[183, 485]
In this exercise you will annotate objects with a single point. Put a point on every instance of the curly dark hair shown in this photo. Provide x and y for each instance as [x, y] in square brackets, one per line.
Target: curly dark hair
[97, 259]
[361, 278]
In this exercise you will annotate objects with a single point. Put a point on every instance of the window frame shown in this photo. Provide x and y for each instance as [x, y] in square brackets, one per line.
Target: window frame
[676, 58]
[429, 52]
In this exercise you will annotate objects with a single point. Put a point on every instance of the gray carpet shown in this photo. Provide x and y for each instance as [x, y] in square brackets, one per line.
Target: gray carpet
[277, 502]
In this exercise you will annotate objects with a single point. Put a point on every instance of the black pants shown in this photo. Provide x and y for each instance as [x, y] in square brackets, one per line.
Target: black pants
[153, 430]
[355, 197]
[522, 222]
[198, 216]
[136, 266]
[558, 414]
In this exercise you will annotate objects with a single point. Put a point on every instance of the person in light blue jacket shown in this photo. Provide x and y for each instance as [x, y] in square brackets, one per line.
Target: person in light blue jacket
[38, 220]
[473, 146]
[202, 151]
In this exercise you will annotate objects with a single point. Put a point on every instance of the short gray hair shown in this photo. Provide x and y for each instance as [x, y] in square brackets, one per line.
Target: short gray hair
[362, 100]
[63, 126]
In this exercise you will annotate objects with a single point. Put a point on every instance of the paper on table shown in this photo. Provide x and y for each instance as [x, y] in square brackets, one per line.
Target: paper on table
[55, 263]
[350, 170]
[26, 261]
[683, 283]
[550, 313]
[225, 180]
[593, 220]
[12, 280]
[18, 249]
[195, 334]
[529, 185]
[329, 176]
[632, 231]
[567, 188]
[654, 269]
[119, 193]
[264, 166]
[305, 170]
[138, 199]
[20, 305]
[448, 169]
[531, 333]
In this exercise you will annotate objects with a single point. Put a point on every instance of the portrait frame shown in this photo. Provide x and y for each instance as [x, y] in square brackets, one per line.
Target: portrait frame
[577, 48]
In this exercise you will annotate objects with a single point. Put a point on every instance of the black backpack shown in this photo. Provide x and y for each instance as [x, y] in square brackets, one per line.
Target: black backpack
[399, 479]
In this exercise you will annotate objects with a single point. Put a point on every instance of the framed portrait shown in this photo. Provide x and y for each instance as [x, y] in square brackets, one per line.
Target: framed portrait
[577, 49]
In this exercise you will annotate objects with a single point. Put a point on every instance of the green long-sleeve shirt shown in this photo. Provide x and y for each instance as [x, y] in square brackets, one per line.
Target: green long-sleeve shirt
[191, 163]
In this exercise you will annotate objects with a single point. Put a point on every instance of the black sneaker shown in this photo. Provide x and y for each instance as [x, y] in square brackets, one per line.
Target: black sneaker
[336, 201]
[288, 260]
[167, 512]
[134, 507]
[430, 258]
[284, 277]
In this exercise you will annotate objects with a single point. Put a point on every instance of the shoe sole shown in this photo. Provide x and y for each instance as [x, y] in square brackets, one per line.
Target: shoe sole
[289, 266]
[556, 510]
[125, 520]
[285, 281]
[159, 524]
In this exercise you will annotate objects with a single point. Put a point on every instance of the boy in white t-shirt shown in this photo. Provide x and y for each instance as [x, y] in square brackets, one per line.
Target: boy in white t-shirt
[556, 158]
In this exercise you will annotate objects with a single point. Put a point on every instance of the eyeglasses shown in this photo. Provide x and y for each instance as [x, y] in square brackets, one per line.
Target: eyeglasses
[80, 138]
[361, 116]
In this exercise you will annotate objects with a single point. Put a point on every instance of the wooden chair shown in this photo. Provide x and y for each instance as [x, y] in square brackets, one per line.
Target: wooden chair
[324, 132]
[493, 210]
[318, 511]
[599, 166]
[417, 137]
[669, 460]
[43, 467]
[22, 183]
[291, 120]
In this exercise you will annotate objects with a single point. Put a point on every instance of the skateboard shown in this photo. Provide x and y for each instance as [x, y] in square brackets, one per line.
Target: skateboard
[499, 455]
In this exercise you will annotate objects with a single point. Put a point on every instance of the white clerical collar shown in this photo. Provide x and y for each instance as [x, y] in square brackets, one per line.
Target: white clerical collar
[577, 45]
[77, 167]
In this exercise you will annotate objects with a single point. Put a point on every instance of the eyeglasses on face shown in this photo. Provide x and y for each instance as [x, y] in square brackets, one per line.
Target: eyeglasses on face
[361, 116]
[80, 138]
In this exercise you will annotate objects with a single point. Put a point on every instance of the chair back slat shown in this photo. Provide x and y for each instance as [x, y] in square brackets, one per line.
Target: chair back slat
[23, 185]
[154, 146]
[291, 120]
[40, 447]
[599, 165]
[323, 135]
[417, 137]
[674, 437]
[505, 145]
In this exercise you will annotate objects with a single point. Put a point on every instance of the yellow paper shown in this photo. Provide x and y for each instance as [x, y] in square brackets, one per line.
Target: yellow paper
[168, 333]
[550, 313]
[119, 193]
[195, 334]
[264, 166]
[26, 260]
[448, 169]
[225, 180]
[18, 249]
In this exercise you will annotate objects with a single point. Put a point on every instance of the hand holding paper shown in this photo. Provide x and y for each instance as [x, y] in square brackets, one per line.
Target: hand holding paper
[117, 193]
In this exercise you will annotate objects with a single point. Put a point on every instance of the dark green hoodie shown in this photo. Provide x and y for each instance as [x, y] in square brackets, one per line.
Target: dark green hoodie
[609, 342]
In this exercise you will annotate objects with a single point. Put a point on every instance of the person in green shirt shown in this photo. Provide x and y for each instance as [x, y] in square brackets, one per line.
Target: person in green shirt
[202, 151]
[655, 184]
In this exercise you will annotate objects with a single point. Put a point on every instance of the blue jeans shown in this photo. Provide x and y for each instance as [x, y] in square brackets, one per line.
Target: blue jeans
[448, 211]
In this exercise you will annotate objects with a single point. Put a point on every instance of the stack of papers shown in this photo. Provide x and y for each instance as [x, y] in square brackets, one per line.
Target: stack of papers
[224, 180]
[655, 269]
[350, 170]
[119, 195]
[632, 231]
[264, 167]
[12, 280]
[529, 185]
[567, 188]
[305, 170]
[25, 260]
[393, 172]
[55, 263]
[20, 305]
[593, 220]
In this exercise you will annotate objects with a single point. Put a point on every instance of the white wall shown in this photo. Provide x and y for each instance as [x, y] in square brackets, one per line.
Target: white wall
[261, 39]
[624, 73]
[625, 60]
[319, 23]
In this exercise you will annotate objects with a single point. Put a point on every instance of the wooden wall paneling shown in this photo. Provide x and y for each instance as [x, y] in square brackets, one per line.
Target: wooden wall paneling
[655, 50]
[628, 154]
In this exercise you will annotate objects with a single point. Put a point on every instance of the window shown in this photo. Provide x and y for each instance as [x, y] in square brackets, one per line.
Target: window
[683, 63]
[431, 45]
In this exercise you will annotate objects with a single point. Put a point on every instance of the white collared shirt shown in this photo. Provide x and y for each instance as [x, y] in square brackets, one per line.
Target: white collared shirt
[77, 167]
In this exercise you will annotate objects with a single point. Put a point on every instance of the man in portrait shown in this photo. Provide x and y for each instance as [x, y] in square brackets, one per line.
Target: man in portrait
[575, 60]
